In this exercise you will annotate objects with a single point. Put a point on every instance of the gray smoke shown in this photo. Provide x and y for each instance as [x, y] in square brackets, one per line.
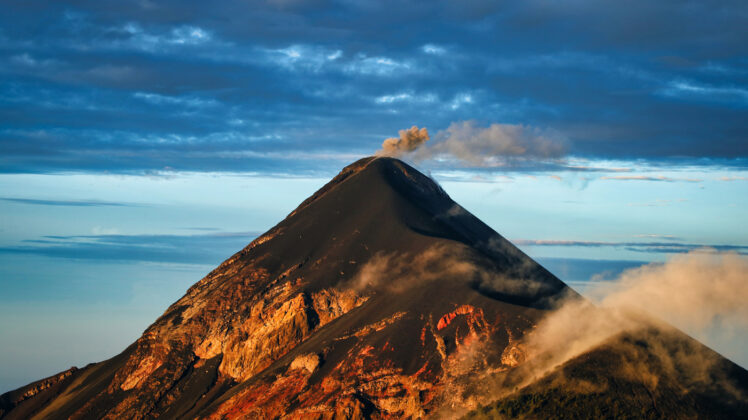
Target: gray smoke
[475, 146]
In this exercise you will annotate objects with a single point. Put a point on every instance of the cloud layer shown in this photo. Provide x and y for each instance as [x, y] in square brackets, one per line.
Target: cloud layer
[208, 248]
[673, 246]
[90, 86]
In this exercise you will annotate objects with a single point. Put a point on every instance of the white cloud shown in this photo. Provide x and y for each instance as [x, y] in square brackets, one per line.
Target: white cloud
[461, 99]
[433, 49]
[388, 99]
[335, 55]
[188, 101]
[405, 97]
[301, 57]
[141, 39]
[681, 88]
[189, 35]
[376, 66]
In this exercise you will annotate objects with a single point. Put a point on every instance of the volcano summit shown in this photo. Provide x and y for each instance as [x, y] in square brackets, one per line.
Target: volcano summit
[380, 297]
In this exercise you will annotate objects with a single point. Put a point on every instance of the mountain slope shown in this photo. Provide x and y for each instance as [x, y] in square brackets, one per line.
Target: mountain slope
[378, 296]
[649, 373]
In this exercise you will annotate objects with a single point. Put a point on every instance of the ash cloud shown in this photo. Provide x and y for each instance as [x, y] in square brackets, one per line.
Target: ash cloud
[408, 141]
[472, 145]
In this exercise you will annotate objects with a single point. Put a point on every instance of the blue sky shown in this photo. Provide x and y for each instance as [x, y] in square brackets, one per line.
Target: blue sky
[141, 142]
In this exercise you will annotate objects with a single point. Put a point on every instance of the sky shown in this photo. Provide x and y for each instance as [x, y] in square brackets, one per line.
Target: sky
[143, 142]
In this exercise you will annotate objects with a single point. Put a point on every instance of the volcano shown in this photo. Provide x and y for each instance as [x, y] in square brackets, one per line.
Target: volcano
[380, 297]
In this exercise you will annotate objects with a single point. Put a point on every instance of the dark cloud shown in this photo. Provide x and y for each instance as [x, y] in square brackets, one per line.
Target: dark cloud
[209, 248]
[143, 85]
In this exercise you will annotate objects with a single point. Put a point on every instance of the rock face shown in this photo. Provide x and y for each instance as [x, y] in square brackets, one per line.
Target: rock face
[377, 297]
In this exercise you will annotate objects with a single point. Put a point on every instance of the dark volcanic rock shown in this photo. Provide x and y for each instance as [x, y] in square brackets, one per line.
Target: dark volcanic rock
[377, 297]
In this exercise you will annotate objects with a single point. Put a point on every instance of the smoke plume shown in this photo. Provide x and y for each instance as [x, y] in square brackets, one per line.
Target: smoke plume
[474, 146]
[704, 293]
[408, 141]
[494, 145]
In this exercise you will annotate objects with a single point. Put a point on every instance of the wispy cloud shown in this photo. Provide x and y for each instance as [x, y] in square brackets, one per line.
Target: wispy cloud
[433, 49]
[658, 236]
[657, 203]
[140, 38]
[73, 203]
[210, 248]
[655, 178]
[405, 97]
[378, 66]
[657, 247]
[189, 101]
[706, 92]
